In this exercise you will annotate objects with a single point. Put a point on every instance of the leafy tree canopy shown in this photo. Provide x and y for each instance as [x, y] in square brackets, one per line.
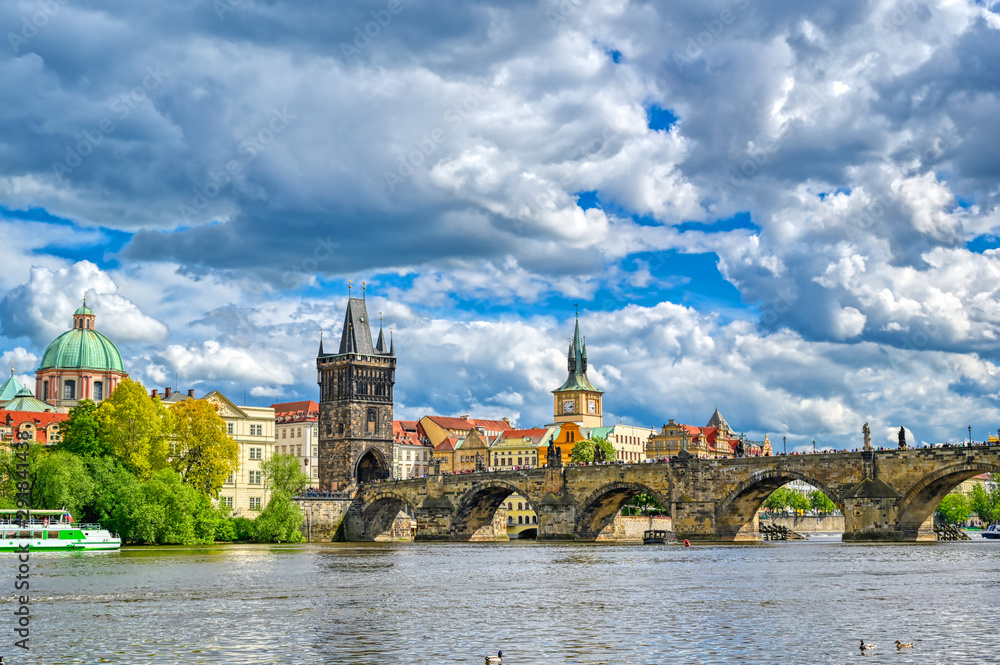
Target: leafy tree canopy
[81, 434]
[986, 502]
[201, 450]
[955, 508]
[821, 503]
[135, 427]
[583, 451]
[282, 474]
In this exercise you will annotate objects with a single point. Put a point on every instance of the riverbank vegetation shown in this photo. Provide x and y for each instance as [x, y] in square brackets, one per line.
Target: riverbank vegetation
[153, 474]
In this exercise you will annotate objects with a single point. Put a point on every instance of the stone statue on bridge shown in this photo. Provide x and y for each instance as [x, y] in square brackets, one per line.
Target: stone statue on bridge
[553, 455]
[902, 438]
[867, 431]
[480, 464]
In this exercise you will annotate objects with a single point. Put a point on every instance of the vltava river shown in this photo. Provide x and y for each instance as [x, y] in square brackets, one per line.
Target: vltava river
[804, 602]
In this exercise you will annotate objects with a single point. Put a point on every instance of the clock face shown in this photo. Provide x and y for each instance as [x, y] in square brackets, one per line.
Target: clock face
[567, 406]
[592, 406]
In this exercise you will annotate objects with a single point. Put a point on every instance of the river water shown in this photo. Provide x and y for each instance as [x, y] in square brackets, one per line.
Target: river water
[794, 602]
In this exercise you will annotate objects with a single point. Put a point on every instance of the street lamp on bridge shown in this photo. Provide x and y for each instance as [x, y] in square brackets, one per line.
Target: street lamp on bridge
[784, 445]
[970, 436]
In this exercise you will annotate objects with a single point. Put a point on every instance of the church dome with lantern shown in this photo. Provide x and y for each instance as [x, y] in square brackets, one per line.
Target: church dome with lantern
[79, 364]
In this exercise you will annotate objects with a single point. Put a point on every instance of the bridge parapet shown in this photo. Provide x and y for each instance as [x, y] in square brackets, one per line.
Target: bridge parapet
[884, 495]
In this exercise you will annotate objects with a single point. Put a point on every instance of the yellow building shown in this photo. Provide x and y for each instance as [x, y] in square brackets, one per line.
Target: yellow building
[716, 440]
[522, 521]
[577, 400]
[516, 449]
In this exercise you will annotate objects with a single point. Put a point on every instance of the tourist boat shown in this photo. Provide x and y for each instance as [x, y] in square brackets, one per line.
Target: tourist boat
[654, 537]
[992, 532]
[52, 531]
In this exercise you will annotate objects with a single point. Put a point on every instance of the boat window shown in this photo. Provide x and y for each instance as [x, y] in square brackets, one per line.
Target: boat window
[24, 534]
[53, 534]
[36, 534]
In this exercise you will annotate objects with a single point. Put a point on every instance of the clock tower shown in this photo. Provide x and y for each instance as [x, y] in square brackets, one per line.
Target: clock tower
[577, 400]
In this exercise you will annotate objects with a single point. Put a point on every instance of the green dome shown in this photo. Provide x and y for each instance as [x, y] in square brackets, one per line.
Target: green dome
[81, 348]
[84, 310]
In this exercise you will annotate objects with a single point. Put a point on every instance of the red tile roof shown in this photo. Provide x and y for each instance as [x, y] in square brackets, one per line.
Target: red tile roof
[41, 420]
[534, 435]
[451, 423]
[409, 432]
[492, 425]
[451, 443]
[307, 406]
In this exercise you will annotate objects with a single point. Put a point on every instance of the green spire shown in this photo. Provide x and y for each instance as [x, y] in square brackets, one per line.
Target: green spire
[577, 363]
[10, 388]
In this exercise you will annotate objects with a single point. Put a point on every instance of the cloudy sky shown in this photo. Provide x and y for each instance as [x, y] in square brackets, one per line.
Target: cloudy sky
[787, 210]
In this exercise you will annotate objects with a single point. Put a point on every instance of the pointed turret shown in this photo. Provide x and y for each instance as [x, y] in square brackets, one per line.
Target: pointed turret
[380, 344]
[321, 342]
[392, 345]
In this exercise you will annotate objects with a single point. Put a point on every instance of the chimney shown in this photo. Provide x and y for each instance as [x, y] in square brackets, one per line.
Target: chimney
[154, 393]
[465, 416]
[167, 391]
[191, 392]
[507, 420]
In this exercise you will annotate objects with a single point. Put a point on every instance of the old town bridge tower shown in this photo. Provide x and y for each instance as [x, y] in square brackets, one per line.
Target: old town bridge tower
[355, 404]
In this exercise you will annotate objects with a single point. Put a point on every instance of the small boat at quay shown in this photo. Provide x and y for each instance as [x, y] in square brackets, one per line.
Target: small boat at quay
[654, 537]
[992, 532]
[51, 531]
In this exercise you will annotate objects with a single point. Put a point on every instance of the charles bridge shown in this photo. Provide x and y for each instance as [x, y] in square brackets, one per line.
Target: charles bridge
[886, 496]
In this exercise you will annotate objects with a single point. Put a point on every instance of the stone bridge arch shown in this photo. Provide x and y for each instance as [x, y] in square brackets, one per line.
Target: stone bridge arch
[598, 510]
[734, 514]
[477, 508]
[378, 511]
[917, 507]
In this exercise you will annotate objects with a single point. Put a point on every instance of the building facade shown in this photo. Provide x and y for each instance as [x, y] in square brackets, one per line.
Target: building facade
[411, 450]
[516, 449]
[355, 407]
[79, 364]
[296, 432]
[252, 427]
[716, 440]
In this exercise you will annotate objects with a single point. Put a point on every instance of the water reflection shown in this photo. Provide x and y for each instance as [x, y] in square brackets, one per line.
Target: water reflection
[541, 603]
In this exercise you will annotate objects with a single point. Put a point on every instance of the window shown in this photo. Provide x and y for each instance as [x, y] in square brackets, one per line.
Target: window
[45, 390]
[255, 503]
[408, 453]
[227, 501]
[69, 389]
[520, 519]
[98, 391]
[229, 428]
[254, 478]
[298, 450]
[510, 520]
[534, 519]
[520, 506]
[314, 472]
[256, 430]
[284, 434]
[299, 433]
[255, 453]
[510, 505]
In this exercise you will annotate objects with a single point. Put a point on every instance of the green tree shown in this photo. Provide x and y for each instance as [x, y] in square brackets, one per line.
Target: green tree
[955, 508]
[135, 427]
[986, 502]
[583, 451]
[821, 503]
[201, 450]
[119, 501]
[280, 520]
[283, 474]
[643, 504]
[779, 500]
[61, 480]
[81, 434]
